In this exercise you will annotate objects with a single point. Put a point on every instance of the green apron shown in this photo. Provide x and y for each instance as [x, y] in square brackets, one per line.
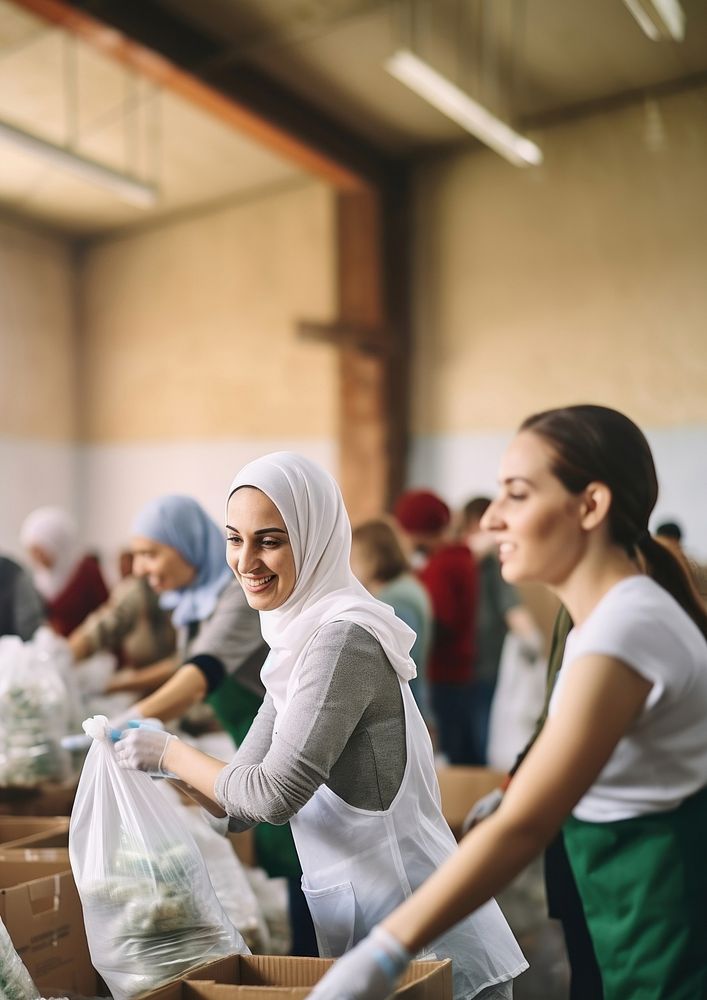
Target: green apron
[643, 884]
[236, 707]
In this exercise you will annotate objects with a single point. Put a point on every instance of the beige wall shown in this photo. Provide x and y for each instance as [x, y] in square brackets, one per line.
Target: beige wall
[189, 328]
[37, 336]
[581, 280]
[179, 364]
[38, 377]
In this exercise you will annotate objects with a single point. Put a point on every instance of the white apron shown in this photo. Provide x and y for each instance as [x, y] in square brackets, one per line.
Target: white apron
[359, 865]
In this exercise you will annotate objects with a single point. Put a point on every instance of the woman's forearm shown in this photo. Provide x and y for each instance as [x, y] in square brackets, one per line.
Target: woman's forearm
[197, 769]
[203, 800]
[185, 688]
[142, 679]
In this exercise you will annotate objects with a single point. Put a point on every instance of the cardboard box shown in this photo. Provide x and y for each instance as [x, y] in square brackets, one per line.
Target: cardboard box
[40, 907]
[52, 854]
[50, 799]
[274, 977]
[461, 787]
[37, 831]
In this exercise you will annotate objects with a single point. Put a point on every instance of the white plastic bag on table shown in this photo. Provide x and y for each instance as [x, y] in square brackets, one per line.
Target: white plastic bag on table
[15, 981]
[149, 908]
[51, 648]
[34, 716]
[94, 673]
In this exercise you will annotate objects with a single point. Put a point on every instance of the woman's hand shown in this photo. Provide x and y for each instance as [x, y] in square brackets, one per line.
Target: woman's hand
[367, 972]
[143, 748]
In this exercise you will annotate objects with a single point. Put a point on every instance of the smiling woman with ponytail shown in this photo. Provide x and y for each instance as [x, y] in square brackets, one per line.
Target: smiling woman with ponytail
[621, 763]
[595, 442]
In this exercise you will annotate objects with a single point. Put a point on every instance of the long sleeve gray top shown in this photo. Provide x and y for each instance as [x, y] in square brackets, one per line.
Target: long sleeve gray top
[345, 727]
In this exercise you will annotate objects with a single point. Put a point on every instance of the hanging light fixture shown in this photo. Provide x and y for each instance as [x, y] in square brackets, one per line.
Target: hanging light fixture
[126, 187]
[441, 93]
[659, 19]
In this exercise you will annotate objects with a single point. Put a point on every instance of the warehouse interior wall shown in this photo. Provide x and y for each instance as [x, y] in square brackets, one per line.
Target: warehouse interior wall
[161, 359]
[38, 376]
[183, 337]
[582, 280]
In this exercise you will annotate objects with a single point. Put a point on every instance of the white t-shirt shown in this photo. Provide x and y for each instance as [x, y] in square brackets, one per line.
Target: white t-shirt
[662, 759]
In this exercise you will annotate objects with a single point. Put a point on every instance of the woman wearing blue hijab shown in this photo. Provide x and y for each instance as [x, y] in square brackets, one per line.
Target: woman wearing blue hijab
[181, 552]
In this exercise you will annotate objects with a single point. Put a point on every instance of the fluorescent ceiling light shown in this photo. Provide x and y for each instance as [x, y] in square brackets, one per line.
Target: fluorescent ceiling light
[659, 18]
[440, 92]
[128, 188]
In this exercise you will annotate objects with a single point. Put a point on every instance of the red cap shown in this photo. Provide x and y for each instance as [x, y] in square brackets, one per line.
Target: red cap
[421, 511]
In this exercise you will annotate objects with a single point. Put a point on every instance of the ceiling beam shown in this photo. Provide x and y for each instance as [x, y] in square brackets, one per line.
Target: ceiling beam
[168, 52]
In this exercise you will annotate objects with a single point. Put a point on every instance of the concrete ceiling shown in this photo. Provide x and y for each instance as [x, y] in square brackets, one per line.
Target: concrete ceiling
[122, 120]
[529, 60]
[525, 59]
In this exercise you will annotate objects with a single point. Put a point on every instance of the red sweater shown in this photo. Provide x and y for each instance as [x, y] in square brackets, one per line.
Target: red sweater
[85, 591]
[451, 579]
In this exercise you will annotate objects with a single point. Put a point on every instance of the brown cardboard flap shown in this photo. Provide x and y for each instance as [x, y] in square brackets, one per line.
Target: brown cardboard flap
[44, 894]
[18, 871]
[460, 787]
[50, 799]
[40, 908]
[222, 991]
[39, 831]
[55, 855]
[268, 977]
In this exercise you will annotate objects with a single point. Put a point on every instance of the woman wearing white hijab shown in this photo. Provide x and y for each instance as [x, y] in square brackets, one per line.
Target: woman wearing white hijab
[339, 747]
[69, 581]
[180, 550]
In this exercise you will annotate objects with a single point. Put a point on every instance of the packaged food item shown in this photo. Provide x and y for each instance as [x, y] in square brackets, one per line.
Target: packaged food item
[15, 981]
[34, 714]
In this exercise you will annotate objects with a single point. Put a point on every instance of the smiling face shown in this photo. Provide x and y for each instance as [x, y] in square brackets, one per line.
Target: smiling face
[258, 549]
[163, 567]
[536, 522]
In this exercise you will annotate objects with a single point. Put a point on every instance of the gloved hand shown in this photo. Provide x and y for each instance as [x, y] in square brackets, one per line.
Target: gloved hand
[142, 748]
[480, 810]
[367, 972]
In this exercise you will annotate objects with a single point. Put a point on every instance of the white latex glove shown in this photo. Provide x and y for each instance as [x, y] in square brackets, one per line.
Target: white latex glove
[142, 748]
[81, 741]
[367, 972]
[486, 805]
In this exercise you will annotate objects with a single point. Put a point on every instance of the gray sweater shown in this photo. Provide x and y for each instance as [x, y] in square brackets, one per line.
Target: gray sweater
[345, 727]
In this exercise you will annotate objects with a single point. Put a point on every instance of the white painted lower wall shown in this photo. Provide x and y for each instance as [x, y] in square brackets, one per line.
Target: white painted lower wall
[34, 473]
[105, 486]
[119, 479]
[460, 466]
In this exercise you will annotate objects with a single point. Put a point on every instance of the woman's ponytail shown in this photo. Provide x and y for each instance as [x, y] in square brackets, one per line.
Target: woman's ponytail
[667, 570]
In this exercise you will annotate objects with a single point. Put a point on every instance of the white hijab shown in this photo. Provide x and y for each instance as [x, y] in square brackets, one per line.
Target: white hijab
[55, 532]
[326, 590]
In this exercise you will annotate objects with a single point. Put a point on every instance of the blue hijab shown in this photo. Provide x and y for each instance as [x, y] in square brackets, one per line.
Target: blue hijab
[183, 524]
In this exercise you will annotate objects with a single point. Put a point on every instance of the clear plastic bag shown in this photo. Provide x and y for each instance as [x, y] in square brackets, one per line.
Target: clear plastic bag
[15, 981]
[34, 716]
[149, 907]
[226, 872]
[53, 649]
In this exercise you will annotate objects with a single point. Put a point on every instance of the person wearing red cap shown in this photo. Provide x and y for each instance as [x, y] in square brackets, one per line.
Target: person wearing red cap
[450, 575]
